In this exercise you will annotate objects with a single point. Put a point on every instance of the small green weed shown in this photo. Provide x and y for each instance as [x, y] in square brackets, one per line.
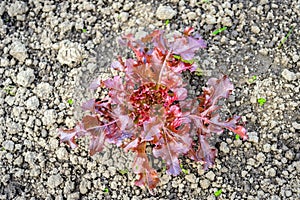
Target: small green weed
[237, 137]
[70, 101]
[261, 101]
[9, 90]
[84, 30]
[285, 38]
[184, 170]
[106, 190]
[252, 79]
[198, 72]
[216, 32]
[218, 193]
[123, 171]
[167, 22]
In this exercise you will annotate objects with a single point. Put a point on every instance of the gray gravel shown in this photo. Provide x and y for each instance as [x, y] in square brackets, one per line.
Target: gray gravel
[51, 50]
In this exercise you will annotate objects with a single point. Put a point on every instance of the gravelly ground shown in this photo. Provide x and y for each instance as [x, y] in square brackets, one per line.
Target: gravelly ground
[51, 50]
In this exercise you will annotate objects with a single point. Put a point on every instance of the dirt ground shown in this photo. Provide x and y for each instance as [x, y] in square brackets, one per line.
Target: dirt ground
[51, 50]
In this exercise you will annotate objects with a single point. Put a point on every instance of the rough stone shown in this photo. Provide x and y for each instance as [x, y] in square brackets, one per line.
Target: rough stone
[253, 137]
[296, 125]
[32, 103]
[54, 181]
[18, 51]
[224, 147]
[204, 184]
[43, 90]
[191, 15]
[191, 178]
[49, 117]
[210, 19]
[288, 75]
[8, 145]
[124, 16]
[210, 175]
[267, 148]
[165, 12]
[62, 153]
[226, 21]
[25, 78]
[69, 53]
[255, 29]
[16, 8]
[261, 157]
[84, 186]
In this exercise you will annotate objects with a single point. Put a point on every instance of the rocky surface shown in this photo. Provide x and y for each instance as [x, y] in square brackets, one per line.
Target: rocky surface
[51, 50]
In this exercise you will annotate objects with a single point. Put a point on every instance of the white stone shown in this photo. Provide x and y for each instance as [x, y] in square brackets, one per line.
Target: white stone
[224, 147]
[84, 186]
[253, 137]
[165, 12]
[43, 90]
[255, 29]
[226, 21]
[69, 53]
[204, 184]
[191, 178]
[295, 58]
[288, 75]
[124, 16]
[49, 117]
[54, 181]
[271, 172]
[62, 153]
[296, 125]
[140, 34]
[210, 175]
[210, 19]
[127, 6]
[25, 78]
[16, 8]
[260, 157]
[32, 103]
[191, 15]
[18, 51]
[267, 148]
[8, 145]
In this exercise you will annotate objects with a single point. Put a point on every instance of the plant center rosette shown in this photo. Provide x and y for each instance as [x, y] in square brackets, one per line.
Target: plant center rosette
[149, 105]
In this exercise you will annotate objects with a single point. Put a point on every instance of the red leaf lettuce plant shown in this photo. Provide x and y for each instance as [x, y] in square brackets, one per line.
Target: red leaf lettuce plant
[149, 106]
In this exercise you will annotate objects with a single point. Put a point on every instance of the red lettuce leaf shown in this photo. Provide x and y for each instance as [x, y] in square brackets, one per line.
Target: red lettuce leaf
[147, 175]
[70, 135]
[169, 150]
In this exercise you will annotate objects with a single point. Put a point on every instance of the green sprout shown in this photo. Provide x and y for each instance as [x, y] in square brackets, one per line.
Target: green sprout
[167, 22]
[261, 101]
[218, 192]
[178, 57]
[285, 38]
[9, 90]
[105, 190]
[2, 149]
[84, 30]
[203, 1]
[237, 137]
[183, 170]
[252, 79]
[198, 72]
[216, 32]
[123, 171]
[70, 101]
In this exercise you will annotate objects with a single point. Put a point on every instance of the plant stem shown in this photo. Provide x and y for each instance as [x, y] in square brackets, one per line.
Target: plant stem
[163, 67]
